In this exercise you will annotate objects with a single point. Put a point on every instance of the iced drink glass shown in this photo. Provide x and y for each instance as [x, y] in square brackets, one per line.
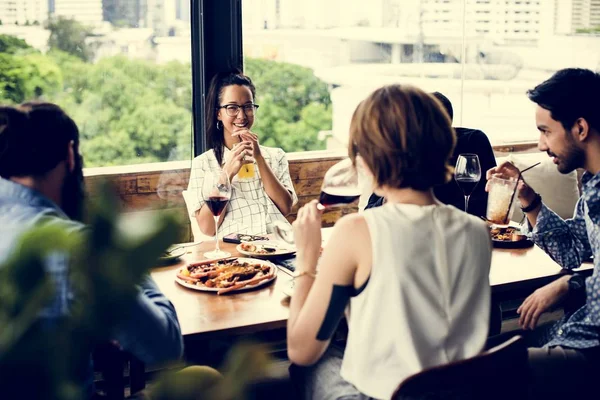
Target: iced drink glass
[500, 196]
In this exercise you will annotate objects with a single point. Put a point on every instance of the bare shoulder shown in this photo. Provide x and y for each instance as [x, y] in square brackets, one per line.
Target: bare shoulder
[350, 230]
[351, 221]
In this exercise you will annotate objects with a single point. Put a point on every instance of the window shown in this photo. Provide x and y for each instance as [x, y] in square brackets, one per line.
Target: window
[119, 68]
[344, 49]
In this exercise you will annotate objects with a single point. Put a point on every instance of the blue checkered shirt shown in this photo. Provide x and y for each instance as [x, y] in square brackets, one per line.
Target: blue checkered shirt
[569, 242]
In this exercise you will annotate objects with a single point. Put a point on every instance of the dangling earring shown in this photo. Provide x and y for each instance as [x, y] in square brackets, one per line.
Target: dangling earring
[219, 125]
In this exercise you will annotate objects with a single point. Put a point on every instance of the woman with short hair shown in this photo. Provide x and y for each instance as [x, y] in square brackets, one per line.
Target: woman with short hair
[414, 271]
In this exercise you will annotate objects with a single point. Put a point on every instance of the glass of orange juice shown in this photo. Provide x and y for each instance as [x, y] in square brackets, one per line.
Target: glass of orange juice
[246, 172]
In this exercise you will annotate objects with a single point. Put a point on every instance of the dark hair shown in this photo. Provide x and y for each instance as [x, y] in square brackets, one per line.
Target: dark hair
[404, 138]
[446, 103]
[34, 138]
[214, 137]
[570, 94]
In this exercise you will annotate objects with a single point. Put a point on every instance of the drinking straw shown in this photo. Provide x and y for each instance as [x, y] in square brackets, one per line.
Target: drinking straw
[515, 189]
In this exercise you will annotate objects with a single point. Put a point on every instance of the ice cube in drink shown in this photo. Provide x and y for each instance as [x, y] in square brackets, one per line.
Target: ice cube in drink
[499, 200]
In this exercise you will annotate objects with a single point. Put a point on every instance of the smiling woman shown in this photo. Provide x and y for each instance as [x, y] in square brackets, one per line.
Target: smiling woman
[262, 191]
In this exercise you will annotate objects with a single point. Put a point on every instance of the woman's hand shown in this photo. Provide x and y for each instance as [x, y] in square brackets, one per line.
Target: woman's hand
[239, 155]
[249, 137]
[307, 233]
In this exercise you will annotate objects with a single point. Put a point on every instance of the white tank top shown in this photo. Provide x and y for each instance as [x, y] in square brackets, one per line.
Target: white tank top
[427, 301]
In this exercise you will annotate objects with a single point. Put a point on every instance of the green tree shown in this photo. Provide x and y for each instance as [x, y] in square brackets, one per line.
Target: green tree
[12, 45]
[70, 36]
[295, 105]
[134, 111]
[28, 77]
[593, 29]
[128, 111]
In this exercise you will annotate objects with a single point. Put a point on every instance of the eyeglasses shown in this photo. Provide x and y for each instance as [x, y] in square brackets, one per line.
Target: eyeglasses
[233, 109]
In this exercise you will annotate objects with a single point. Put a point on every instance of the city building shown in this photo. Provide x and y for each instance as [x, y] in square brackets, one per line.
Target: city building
[574, 16]
[183, 11]
[130, 13]
[87, 12]
[134, 43]
[161, 16]
[23, 12]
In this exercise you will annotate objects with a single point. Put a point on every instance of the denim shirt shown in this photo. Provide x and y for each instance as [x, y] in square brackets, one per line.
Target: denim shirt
[152, 331]
[569, 242]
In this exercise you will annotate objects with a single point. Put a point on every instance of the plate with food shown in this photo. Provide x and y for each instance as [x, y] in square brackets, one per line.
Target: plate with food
[228, 275]
[265, 249]
[509, 237]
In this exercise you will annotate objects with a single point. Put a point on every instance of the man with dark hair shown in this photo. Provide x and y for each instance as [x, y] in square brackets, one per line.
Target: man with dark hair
[467, 141]
[568, 118]
[41, 181]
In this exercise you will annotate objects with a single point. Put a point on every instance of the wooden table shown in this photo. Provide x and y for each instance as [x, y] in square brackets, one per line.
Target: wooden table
[516, 269]
[206, 315]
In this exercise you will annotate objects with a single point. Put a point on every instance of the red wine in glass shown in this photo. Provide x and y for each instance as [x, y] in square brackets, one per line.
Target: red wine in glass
[338, 196]
[216, 192]
[467, 184]
[216, 204]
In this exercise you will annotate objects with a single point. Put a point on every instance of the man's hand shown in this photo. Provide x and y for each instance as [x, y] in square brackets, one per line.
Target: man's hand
[507, 170]
[541, 301]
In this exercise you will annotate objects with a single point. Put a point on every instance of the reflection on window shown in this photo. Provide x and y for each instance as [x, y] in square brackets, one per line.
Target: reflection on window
[352, 47]
[122, 71]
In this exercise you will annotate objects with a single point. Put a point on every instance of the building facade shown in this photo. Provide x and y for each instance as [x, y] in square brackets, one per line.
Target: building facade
[87, 12]
[23, 12]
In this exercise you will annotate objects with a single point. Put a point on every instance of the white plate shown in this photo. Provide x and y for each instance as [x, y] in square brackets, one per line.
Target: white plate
[248, 287]
[283, 249]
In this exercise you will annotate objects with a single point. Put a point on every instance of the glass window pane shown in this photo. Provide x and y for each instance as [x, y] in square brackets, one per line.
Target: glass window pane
[521, 44]
[485, 65]
[350, 48]
[120, 68]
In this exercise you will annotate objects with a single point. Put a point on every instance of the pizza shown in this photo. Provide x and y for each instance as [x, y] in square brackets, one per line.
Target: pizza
[226, 275]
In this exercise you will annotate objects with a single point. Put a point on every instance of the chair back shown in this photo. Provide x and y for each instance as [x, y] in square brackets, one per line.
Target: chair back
[196, 232]
[499, 373]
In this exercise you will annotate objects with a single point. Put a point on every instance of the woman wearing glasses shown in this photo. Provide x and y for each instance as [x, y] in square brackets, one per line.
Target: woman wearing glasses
[262, 190]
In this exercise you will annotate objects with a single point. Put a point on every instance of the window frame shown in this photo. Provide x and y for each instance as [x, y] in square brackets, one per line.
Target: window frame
[216, 46]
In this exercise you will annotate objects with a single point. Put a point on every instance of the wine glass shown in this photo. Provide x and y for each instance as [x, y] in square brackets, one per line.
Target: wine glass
[216, 191]
[467, 174]
[340, 186]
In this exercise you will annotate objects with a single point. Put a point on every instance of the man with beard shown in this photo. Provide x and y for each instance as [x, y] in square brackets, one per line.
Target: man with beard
[41, 181]
[568, 118]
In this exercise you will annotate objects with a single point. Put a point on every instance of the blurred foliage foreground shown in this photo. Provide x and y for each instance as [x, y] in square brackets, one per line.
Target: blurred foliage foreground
[41, 360]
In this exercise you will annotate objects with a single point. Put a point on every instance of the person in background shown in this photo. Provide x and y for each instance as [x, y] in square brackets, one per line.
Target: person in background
[259, 195]
[565, 356]
[468, 141]
[41, 182]
[415, 272]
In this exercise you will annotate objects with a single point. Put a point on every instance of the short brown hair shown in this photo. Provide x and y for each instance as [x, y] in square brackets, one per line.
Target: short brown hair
[404, 137]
